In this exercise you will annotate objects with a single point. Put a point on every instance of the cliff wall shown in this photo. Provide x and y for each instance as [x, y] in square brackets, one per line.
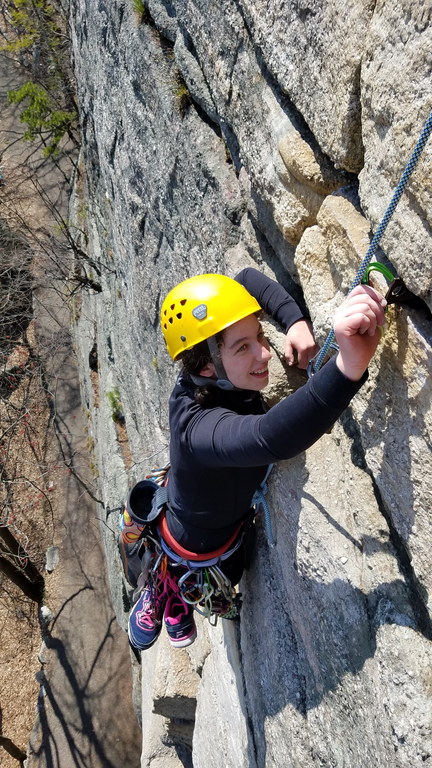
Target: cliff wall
[256, 132]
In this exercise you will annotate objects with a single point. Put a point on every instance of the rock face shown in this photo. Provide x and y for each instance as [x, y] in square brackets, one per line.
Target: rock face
[252, 132]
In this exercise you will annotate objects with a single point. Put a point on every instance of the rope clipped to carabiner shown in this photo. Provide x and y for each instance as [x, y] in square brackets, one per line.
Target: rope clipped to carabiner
[259, 500]
[317, 362]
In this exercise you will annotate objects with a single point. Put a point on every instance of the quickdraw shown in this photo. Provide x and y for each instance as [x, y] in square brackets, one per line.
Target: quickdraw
[400, 288]
[397, 292]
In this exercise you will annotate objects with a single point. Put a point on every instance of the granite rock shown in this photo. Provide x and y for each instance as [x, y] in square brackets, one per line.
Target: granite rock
[218, 136]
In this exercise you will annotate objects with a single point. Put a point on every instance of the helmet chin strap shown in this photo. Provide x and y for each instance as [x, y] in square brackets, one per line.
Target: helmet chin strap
[222, 381]
[206, 381]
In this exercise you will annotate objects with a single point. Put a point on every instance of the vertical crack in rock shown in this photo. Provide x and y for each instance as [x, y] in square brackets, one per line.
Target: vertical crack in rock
[281, 95]
[248, 716]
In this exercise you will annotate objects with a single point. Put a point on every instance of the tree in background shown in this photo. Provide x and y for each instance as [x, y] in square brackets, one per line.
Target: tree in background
[18, 368]
[35, 34]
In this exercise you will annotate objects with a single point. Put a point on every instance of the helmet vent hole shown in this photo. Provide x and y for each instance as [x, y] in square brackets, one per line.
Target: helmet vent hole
[172, 306]
[170, 320]
[179, 315]
[183, 302]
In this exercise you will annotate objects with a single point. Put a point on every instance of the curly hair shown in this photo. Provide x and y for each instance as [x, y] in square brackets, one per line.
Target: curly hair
[193, 361]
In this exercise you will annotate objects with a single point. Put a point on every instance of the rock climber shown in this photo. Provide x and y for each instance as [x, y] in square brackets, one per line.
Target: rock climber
[222, 436]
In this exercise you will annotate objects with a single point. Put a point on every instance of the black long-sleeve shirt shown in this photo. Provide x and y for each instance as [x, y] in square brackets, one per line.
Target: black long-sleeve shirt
[220, 454]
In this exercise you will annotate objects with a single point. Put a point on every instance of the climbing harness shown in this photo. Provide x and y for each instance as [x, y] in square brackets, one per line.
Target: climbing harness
[202, 583]
[185, 557]
[318, 360]
[149, 551]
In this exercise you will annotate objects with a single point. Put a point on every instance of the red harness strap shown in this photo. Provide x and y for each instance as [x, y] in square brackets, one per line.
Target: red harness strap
[185, 553]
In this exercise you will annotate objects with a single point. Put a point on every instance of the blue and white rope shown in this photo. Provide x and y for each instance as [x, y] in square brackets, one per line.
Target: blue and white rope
[412, 162]
[259, 500]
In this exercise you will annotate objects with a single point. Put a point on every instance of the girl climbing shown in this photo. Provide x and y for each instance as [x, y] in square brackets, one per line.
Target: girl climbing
[223, 438]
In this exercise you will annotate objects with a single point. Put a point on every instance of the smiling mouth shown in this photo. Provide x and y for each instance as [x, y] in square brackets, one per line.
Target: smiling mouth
[262, 372]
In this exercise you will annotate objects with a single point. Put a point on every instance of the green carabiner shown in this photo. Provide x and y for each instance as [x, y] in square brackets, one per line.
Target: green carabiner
[376, 266]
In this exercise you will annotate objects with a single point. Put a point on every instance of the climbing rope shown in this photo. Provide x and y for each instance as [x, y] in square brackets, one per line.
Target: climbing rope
[259, 500]
[316, 364]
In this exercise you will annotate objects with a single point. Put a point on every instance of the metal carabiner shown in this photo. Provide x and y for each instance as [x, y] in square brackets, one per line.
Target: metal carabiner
[194, 593]
[222, 582]
[310, 370]
[376, 266]
[397, 292]
[206, 598]
[157, 562]
[193, 573]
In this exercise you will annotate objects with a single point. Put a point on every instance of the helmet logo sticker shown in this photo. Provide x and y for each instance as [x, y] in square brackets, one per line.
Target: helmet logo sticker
[200, 312]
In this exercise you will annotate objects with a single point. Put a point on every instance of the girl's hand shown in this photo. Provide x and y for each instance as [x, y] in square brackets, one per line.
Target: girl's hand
[300, 342]
[357, 327]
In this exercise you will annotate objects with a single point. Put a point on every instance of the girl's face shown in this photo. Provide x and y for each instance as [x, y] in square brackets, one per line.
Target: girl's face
[245, 354]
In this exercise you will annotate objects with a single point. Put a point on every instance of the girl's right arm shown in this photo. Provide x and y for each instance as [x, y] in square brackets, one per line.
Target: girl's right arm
[357, 326]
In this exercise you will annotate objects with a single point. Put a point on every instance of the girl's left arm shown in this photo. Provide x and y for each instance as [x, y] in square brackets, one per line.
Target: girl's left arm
[300, 345]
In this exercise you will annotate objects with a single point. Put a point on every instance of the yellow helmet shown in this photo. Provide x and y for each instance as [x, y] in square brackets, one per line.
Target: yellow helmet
[201, 307]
